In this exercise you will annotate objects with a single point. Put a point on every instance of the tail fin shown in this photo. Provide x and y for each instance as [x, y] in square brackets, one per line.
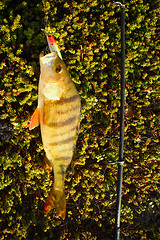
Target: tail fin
[56, 200]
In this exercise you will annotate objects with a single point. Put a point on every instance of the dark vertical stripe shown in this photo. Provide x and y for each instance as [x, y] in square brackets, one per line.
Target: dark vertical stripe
[68, 110]
[62, 124]
[63, 133]
[67, 100]
[68, 140]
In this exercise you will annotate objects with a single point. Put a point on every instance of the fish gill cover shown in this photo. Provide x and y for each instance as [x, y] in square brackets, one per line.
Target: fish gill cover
[88, 33]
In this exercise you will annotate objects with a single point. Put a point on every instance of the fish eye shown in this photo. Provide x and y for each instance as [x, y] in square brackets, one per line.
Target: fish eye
[58, 69]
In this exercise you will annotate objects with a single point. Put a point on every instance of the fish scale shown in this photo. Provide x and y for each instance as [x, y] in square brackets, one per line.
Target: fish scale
[62, 125]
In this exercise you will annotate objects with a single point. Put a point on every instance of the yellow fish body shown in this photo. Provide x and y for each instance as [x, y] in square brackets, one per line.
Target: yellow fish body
[58, 112]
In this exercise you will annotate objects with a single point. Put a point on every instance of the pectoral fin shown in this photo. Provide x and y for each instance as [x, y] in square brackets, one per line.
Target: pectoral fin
[34, 119]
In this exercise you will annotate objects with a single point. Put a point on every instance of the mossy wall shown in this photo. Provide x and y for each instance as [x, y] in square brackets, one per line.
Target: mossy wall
[88, 33]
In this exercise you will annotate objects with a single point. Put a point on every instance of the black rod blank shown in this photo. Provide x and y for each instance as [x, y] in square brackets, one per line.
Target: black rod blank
[121, 160]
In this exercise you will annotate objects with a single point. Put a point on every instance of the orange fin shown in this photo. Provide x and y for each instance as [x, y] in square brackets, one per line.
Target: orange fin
[56, 200]
[34, 119]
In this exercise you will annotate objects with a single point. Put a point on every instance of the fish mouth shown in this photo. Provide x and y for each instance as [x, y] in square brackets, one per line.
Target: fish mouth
[49, 58]
[53, 54]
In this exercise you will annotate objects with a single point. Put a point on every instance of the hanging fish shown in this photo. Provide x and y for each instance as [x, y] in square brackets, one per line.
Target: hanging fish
[58, 113]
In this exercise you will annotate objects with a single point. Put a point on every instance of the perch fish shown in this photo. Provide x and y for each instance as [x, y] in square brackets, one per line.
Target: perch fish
[58, 113]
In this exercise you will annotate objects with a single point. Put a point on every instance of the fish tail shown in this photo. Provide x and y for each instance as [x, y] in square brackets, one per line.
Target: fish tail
[56, 200]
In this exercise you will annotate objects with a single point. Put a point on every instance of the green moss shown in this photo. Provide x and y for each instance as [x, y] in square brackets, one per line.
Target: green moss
[88, 33]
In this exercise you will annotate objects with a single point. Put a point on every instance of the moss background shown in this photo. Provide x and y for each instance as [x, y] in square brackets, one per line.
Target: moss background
[88, 33]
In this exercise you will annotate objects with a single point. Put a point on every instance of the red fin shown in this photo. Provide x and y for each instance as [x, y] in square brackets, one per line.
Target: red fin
[34, 119]
[56, 200]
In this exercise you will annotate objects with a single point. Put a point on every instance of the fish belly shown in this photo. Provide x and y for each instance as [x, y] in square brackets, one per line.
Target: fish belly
[59, 125]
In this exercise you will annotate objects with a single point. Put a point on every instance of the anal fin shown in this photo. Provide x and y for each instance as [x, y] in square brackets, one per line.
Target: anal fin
[47, 164]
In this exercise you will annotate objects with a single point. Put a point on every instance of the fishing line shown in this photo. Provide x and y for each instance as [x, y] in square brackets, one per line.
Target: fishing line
[45, 24]
[45, 20]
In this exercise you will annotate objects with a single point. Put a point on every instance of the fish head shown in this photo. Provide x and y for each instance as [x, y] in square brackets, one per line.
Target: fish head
[53, 69]
[54, 76]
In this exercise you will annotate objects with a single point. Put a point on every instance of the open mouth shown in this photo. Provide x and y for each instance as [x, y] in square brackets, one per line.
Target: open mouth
[48, 59]
[51, 55]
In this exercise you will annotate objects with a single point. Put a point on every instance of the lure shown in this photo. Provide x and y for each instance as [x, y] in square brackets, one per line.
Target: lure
[52, 43]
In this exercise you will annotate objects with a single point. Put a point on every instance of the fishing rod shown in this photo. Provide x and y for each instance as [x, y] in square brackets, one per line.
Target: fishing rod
[121, 159]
